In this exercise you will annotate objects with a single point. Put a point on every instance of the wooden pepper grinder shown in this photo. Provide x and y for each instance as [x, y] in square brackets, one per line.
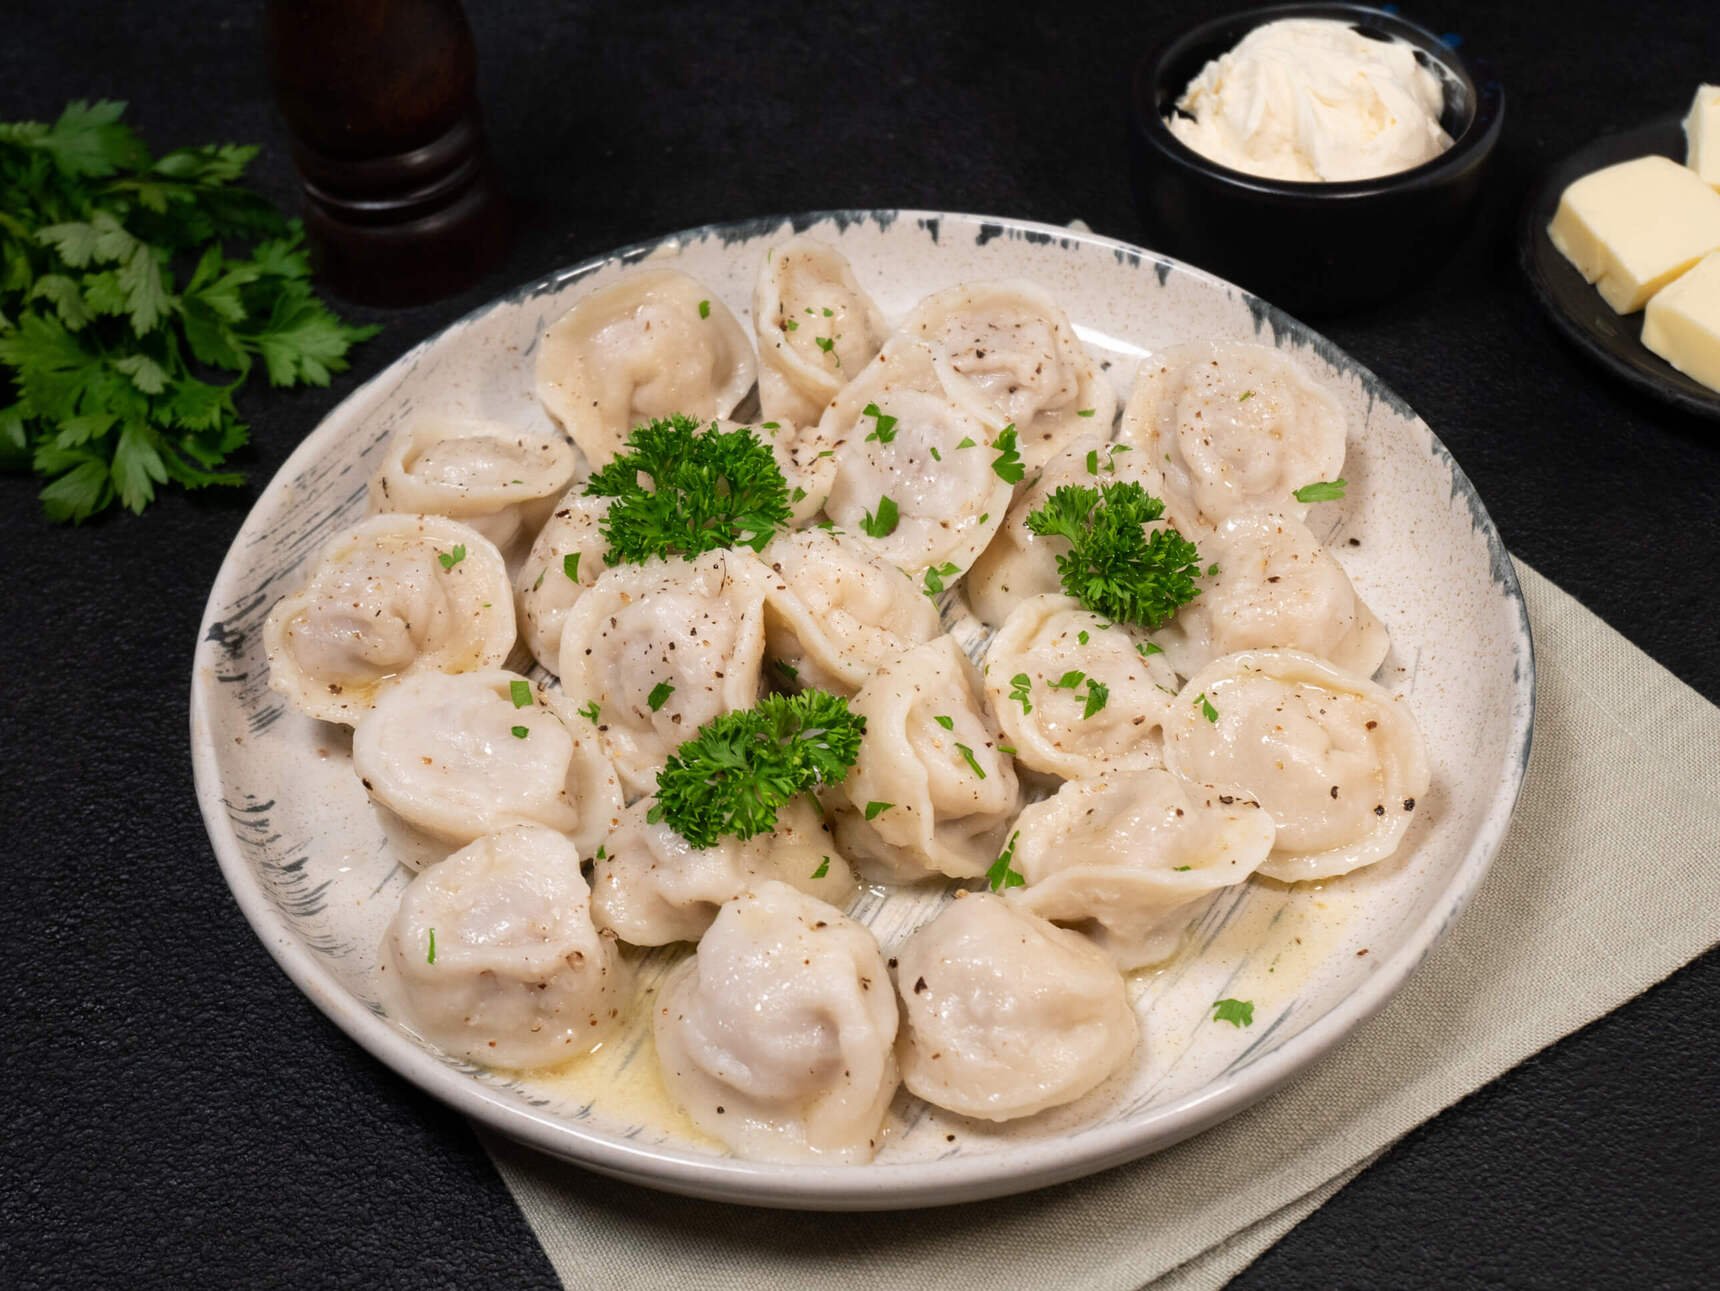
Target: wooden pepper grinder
[401, 201]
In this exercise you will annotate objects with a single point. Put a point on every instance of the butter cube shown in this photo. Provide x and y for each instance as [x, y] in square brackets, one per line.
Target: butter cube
[1682, 323]
[1632, 228]
[1702, 134]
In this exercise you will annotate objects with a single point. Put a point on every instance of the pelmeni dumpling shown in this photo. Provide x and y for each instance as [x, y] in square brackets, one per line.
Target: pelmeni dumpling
[839, 612]
[776, 1037]
[566, 558]
[495, 958]
[662, 648]
[393, 596]
[1073, 691]
[1276, 588]
[1233, 427]
[492, 476]
[1018, 563]
[459, 756]
[650, 886]
[1005, 1014]
[1126, 858]
[931, 791]
[927, 452]
[1336, 761]
[1009, 348]
[816, 327]
[656, 342]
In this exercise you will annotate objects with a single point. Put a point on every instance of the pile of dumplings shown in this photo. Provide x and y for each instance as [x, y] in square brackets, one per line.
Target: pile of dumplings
[1243, 738]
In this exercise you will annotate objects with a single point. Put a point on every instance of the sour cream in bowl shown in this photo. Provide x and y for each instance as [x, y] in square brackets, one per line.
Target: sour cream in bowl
[1314, 100]
[1325, 156]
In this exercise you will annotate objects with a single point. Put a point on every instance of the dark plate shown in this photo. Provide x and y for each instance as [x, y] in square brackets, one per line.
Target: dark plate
[1614, 340]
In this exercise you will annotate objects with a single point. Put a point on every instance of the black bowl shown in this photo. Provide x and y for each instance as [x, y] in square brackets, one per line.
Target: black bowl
[1309, 248]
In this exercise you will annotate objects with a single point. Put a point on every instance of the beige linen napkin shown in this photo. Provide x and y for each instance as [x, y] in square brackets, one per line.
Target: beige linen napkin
[1606, 883]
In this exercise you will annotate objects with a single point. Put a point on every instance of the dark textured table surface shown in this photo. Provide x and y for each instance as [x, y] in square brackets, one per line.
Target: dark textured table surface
[177, 1114]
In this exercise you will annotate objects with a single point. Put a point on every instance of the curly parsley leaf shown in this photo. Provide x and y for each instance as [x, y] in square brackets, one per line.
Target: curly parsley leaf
[1114, 566]
[708, 488]
[741, 767]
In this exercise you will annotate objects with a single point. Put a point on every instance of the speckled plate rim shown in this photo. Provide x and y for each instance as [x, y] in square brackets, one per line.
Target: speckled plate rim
[870, 1187]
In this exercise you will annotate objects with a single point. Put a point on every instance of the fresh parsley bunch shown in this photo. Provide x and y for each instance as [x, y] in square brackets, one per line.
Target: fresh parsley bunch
[125, 325]
[1114, 566]
[708, 488]
[741, 767]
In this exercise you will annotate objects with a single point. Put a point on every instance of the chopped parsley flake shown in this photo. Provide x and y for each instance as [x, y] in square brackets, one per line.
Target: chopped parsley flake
[590, 711]
[829, 313]
[520, 732]
[790, 325]
[704, 309]
[1007, 464]
[1098, 694]
[884, 429]
[539, 582]
[967, 442]
[1006, 748]
[602, 852]
[883, 524]
[825, 343]
[967, 756]
[948, 723]
[876, 809]
[1147, 649]
[1239, 1013]
[934, 579]
[799, 495]
[1082, 637]
[521, 693]
[1085, 412]
[1321, 491]
[1092, 461]
[1001, 875]
[1069, 680]
[823, 868]
[1245, 396]
[449, 559]
[1019, 685]
[1180, 868]
[431, 957]
[1206, 709]
[936, 456]
[787, 669]
[659, 695]
[570, 565]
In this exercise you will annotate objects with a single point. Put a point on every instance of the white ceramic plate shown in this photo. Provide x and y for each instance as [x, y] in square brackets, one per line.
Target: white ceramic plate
[315, 866]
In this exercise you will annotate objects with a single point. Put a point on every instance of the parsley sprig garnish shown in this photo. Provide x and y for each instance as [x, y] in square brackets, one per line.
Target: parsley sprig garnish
[126, 327]
[708, 488]
[741, 767]
[1114, 566]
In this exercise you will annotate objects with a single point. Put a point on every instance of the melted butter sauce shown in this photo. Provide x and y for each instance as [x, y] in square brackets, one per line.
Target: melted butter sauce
[619, 1084]
[1265, 942]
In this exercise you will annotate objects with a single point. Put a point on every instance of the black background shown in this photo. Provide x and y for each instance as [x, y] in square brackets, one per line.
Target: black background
[176, 1113]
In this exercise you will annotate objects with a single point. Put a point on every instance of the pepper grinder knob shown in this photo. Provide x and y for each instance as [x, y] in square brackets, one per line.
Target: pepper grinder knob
[401, 202]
